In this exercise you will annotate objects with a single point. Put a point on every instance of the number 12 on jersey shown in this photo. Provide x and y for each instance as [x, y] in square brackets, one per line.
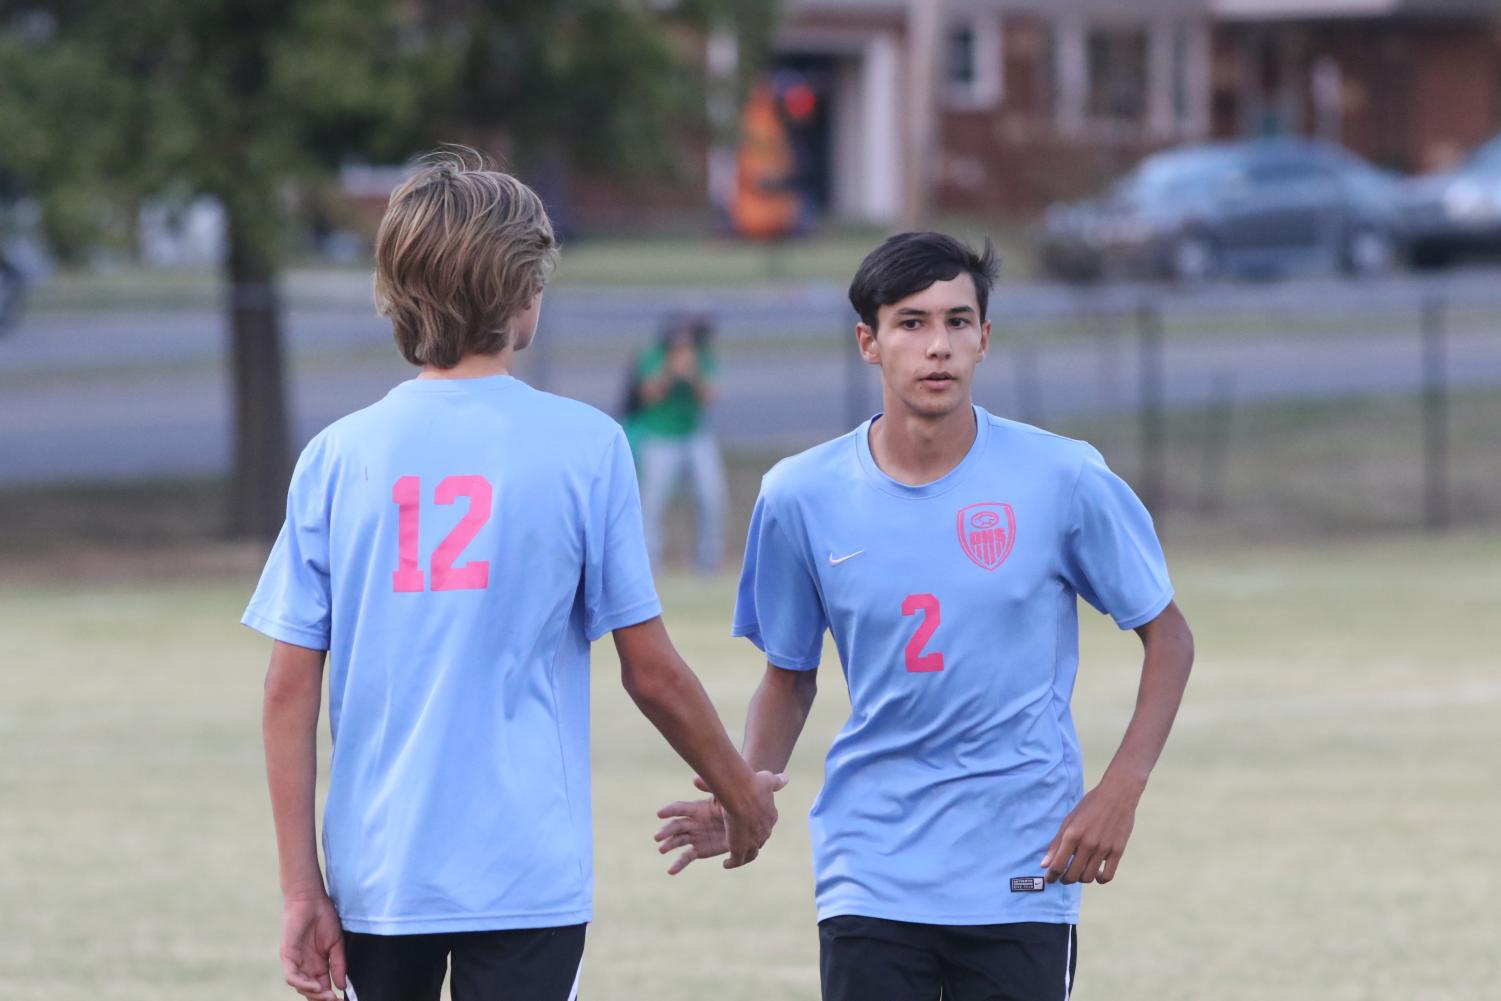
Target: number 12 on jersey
[917, 661]
[471, 576]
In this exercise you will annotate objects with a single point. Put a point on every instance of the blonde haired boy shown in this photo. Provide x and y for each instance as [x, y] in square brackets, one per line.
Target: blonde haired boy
[452, 551]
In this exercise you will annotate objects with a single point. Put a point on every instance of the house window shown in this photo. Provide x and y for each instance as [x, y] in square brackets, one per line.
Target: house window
[972, 62]
[1180, 73]
[962, 71]
[1117, 74]
[1045, 74]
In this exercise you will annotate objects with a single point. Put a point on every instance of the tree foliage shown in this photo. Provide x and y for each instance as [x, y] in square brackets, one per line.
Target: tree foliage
[105, 104]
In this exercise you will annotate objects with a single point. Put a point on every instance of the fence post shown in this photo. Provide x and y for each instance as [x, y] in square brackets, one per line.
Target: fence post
[1217, 442]
[1112, 389]
[855, 409]
[1024, 368]
[1436, 508]
[539, 364]
[1152, 476]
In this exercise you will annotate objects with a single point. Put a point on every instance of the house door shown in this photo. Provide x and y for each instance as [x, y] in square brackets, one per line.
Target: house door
[803, 85]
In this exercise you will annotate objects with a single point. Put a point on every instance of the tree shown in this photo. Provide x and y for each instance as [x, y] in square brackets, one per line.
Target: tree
[240, 99]
[253, 101]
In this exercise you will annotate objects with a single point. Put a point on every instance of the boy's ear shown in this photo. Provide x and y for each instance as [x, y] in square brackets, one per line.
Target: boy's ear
[870, 348]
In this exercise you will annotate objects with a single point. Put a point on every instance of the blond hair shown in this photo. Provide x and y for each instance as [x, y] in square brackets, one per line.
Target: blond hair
[460, 252]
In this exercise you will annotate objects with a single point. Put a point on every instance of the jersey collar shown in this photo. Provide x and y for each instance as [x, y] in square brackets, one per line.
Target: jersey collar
[944, 483]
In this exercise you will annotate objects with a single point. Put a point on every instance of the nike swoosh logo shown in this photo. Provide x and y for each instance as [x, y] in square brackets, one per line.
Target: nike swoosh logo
[834, 563]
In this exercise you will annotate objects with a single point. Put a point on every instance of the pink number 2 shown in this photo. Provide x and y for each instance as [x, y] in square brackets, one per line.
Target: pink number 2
[917, 661]
[472, 576]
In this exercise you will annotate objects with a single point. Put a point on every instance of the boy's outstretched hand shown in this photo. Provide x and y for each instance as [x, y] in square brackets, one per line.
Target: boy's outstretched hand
[312, 947]
[704, 829]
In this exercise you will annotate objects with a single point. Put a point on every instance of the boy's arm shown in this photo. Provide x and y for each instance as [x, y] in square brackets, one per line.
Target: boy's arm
[654, 387]
[312, 946]
[655, 377]
[1092, 838]
[670, 696]
[777, 714]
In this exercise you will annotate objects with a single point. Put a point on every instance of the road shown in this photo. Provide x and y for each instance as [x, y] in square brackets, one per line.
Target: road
[91, 395]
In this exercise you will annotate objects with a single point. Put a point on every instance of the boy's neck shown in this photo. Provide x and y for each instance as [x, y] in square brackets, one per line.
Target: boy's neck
[473, 366]
[916, 450]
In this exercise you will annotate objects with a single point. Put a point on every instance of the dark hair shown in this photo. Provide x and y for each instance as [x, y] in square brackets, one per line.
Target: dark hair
[909, 262]
[697, 326]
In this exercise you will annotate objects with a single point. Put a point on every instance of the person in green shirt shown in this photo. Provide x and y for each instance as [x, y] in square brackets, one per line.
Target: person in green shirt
[667, 426]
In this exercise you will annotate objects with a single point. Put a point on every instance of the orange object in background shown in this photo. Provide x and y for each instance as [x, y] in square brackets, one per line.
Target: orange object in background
[800, 101]
[766, 204]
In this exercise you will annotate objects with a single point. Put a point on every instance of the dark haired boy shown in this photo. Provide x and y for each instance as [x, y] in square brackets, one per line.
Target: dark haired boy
[944, 548]
[452, 551]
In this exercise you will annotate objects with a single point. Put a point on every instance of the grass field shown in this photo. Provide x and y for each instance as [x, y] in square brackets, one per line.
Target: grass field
[697, 259]
[1322, 827]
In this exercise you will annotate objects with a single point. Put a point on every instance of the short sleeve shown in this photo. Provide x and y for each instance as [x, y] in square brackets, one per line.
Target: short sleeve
[778, 606]
[618, 588]
[293, 602]
[1111, 555]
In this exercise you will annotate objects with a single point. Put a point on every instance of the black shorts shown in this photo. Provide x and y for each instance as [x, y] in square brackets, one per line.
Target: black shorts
[871, 959]
[530, 964]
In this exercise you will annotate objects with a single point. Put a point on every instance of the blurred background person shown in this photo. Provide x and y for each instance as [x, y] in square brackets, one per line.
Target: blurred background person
[666, 421]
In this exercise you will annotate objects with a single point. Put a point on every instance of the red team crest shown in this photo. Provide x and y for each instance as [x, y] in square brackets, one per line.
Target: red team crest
[987, 533]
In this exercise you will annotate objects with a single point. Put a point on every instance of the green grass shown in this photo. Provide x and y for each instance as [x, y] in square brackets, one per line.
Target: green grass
[1322, 826]
[713, 260]
[829, 255]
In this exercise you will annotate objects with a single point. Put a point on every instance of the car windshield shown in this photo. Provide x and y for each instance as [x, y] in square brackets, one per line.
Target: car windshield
[1169, 177]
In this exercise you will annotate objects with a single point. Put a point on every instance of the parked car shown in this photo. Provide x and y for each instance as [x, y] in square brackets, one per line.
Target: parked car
[1263, 207]
[1457, 212]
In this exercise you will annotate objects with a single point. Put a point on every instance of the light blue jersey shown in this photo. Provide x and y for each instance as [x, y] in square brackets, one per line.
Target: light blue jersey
[953, 606]
[456, 547]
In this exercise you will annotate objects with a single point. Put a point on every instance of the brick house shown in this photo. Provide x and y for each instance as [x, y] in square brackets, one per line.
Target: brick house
[1045, 99]
[1411, 84]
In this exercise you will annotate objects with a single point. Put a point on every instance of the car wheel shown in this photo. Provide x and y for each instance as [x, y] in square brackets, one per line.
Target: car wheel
[1194, 259]
[1427, 256]
[1369, 252]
